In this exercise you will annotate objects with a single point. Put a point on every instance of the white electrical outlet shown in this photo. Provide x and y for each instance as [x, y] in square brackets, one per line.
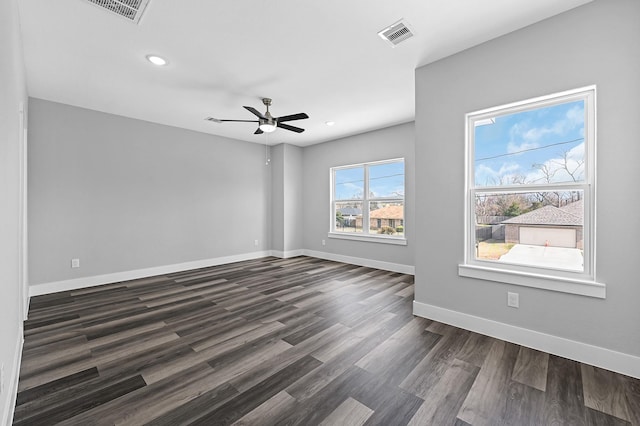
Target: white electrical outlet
[513, 299]
[255, 243]
[324, 243]
[75, 263]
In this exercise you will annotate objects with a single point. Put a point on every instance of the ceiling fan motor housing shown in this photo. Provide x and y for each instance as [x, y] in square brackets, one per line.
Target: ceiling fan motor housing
[268, 124]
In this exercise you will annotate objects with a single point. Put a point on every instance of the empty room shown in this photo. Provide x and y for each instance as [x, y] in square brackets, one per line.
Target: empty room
[319, 213]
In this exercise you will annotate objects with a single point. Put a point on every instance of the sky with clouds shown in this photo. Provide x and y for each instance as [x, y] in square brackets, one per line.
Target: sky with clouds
[385, 180]
[531, 146]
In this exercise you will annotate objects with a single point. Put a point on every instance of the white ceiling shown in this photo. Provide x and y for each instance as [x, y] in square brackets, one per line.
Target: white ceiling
[319, 57]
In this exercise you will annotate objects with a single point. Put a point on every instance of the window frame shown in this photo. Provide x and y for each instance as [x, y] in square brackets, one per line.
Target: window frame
[365, 235]
[576, 282]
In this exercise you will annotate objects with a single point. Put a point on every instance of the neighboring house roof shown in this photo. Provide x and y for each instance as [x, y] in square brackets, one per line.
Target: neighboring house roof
[350, 211]
[389, 212]
[547, 215]
[576, 208]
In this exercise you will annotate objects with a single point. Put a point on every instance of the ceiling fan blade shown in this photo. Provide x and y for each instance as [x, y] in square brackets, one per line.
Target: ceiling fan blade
[258, 131]
[255, 112]
[217, 120]
[299, 116]
[288, 127]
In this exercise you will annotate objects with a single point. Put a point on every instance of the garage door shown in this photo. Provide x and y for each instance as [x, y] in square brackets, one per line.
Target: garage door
[554, 236]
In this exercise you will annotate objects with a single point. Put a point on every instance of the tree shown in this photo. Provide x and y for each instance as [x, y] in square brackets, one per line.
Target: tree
[574, 172]
[513, 210]
[572, 167]
[534, 206]
[564, 167]
[548, 172]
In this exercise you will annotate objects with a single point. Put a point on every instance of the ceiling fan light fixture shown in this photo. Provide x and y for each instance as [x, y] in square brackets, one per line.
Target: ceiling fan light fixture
[267, 126]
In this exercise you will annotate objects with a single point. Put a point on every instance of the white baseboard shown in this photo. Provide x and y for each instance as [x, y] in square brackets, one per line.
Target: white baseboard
[577, 351]
[92, 281]
[287, 254]
[11, 386]
[378, 264]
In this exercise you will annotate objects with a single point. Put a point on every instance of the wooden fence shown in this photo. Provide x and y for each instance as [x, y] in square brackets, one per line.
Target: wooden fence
[490, 220]
[483, 233]
[495, 232]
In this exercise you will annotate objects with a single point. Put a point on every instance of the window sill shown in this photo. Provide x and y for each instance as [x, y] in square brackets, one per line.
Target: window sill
[546, 282]
[369, 238]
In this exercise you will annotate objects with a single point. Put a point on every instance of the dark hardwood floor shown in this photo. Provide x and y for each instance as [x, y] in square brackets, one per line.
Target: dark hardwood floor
[297, 341]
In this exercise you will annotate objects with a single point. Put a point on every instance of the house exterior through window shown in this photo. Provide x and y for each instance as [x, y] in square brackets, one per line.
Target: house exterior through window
[530, 192]
[367, 201]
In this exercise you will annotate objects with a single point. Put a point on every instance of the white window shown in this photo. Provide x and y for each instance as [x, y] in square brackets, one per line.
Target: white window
[530, 193]
[367, 201]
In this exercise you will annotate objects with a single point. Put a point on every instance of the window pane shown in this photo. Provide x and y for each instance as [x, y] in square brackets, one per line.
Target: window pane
[385, 218]
[348, 216]
[386, 180]
[349, 183]
[539, 146]
[543, 229]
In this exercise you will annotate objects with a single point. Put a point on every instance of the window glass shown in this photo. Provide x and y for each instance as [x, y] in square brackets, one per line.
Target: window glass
[349, 183]
[539, 146]
[386, 180]
[530, 186]
[348, 216]
[368, 199]
[383, 217]
[540, 229]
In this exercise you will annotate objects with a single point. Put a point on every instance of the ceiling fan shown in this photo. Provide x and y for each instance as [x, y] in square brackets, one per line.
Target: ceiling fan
[266, 122]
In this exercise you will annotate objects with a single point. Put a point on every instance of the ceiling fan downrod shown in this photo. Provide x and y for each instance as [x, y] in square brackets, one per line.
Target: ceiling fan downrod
[268, 124]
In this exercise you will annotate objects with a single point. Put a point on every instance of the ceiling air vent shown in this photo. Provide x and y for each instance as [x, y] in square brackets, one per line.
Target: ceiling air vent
[129, 9]
[396, 33]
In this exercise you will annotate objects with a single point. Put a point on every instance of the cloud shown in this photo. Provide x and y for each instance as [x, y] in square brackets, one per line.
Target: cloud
[577, 152]
[560, 169]
[486, 175]
[524, 136]
[348, 190]
[513, 147]
[388, 190]
[575, 117]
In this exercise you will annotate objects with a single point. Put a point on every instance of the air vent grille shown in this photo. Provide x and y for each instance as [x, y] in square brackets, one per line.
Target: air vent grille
[129, 9]
[396, 33]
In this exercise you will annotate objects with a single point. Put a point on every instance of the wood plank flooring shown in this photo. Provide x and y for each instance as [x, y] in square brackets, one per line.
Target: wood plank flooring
[299, 341]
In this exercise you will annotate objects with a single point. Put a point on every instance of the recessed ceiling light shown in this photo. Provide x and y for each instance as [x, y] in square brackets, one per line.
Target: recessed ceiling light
[329, 123]
[157, 60]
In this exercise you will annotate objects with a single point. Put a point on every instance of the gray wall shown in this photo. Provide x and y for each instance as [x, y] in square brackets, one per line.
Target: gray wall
[277, 165]
[286, 198]
[123, 194]
[293, 190]
[392, 142]
[13, 95]
[594, 44]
